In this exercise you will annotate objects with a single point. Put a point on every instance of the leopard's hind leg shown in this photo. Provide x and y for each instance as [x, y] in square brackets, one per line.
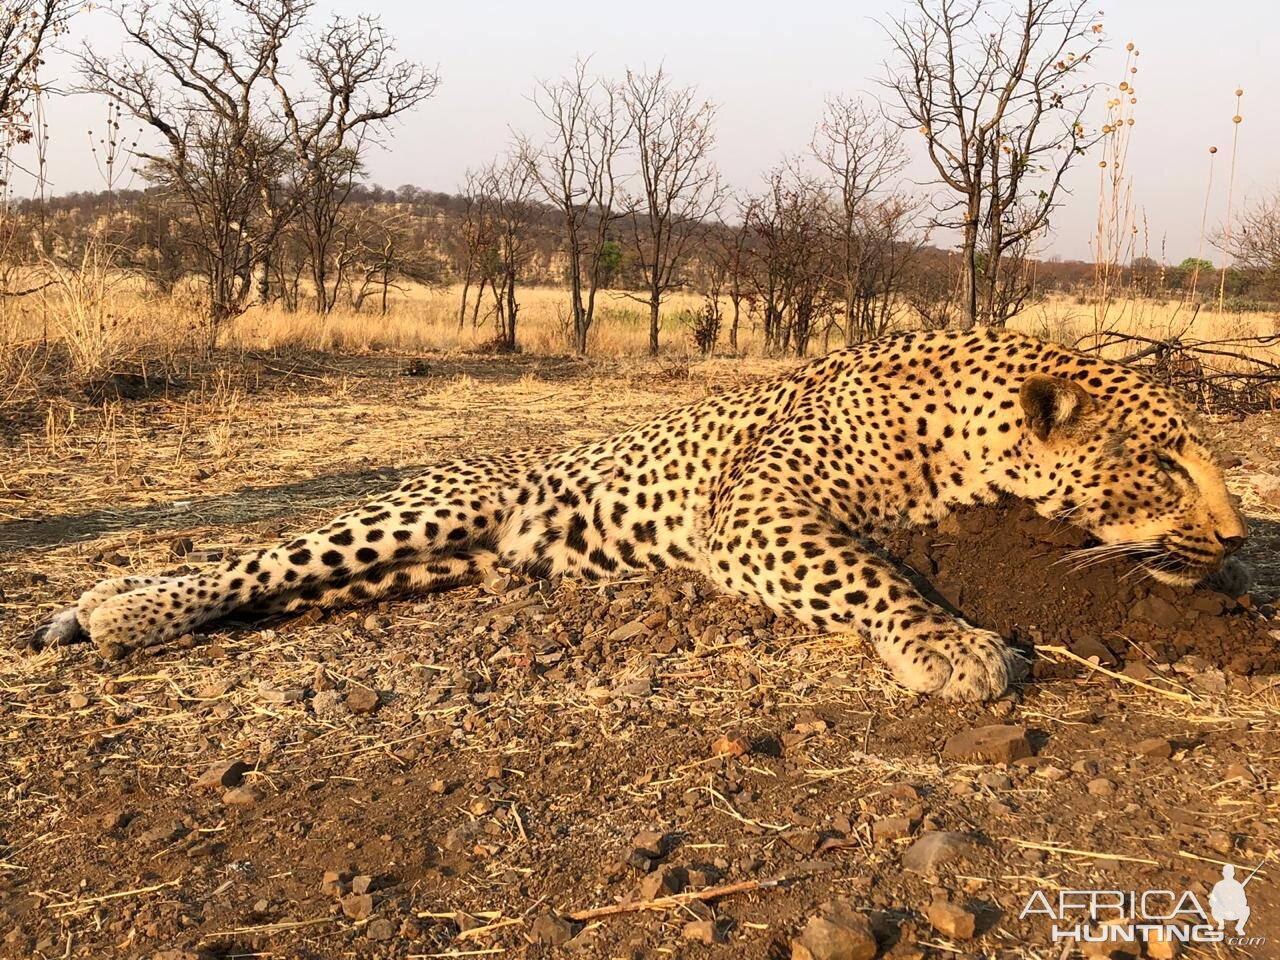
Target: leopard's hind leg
[429, 522]
[442, 573]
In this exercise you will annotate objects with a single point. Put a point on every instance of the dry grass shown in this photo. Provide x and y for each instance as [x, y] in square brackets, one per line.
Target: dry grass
[103, 320]
[427, 319]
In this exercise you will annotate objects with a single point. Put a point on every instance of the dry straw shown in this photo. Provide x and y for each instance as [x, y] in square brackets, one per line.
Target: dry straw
[1231, 183]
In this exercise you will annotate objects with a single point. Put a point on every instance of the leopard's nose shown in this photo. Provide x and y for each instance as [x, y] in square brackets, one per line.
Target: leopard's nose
[1230, 544]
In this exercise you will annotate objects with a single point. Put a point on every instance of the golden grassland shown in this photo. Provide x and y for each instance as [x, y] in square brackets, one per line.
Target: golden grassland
[427, 319]
[99, 323]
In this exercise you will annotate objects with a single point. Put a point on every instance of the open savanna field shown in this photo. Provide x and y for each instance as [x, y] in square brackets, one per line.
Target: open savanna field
[473, 773]
[849, 436]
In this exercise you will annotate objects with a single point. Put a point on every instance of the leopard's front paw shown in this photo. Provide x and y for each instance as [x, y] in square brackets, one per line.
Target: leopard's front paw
[956, 662]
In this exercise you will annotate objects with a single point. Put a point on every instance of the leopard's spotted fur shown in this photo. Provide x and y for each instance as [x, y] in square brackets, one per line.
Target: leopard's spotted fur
[774, 491]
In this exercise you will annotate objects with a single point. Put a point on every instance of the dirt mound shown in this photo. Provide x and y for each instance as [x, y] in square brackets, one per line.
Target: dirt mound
[1008, 570]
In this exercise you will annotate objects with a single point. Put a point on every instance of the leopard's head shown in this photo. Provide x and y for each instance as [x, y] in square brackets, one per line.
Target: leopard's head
[1123, 458]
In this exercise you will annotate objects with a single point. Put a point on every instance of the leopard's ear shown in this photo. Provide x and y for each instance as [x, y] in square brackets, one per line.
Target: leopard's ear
[1053, 404]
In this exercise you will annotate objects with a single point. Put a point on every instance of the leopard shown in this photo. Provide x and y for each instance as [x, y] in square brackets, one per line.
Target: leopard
[778, 491]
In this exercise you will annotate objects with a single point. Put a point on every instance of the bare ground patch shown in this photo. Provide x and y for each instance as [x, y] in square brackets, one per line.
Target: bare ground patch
[470, 762]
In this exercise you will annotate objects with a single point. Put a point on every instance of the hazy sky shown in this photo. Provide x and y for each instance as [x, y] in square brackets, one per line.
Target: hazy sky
[768, 66]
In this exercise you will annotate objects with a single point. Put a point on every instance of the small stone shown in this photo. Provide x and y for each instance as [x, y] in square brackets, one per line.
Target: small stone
[1220, 842]
[411, 929]
[994, 780]
[240, 797]
[727, 746]
[329, 703]
[77, 701]
[951, 920]
[461, 837]
[1157, 748]
[847, 936]
[223, 775]
[663, 882]
[272, 694]
[628, 631]
[181, 547]
[551, 930]
[935, 848]
[212, 691]
[640, 687]
[996, 743]
[114, 819]
[891, 828]
[1162, 944]
[702, 931]
[904, 792]
[164, 831]
[333, 885]
[1101, 787]
[802, 841]
[1137, 670]
[1157, 611]
[357, 906]
[261, 906]
[650, 844]
[362, 700]
[703, 876]
[1239, 772]
[362, 883]
[380, 929]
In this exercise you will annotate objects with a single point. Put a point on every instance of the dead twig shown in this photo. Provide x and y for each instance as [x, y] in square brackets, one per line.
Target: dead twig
[680, 899]
[1067, 654]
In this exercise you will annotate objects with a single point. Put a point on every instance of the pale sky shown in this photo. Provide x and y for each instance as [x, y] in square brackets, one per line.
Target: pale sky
[769, 66]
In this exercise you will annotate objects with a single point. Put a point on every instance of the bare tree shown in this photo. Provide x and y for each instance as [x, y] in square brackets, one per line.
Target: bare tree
[510, 184]
[389, 253]
[891, 242]
[239, 149]
[680, 188]
[474, 245]
[26, 27]
[728, 249]
[790, 250]
[1255, 243]
[198, 82]
[576, 172]
[860, 153]
[357, 87]
[998, 98]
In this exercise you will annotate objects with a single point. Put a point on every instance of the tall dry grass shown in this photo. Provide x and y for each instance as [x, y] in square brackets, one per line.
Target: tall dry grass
[93, 322]
[426, 318]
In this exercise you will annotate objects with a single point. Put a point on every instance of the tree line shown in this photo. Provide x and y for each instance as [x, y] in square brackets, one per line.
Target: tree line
[261, 120]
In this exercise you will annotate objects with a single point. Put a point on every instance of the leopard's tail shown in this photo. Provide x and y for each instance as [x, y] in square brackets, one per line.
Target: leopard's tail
[434, 532]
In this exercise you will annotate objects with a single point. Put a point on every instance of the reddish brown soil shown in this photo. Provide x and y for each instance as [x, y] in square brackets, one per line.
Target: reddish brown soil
[1010, 571]
[518, 743]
